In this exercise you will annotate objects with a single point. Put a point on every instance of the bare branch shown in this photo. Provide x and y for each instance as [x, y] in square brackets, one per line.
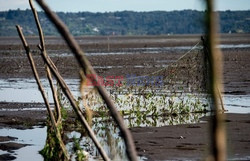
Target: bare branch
[33, 67]
[88, 69]
[63, 84]
[72, 101]
[58, 109]
[40, 31]
[43, 50]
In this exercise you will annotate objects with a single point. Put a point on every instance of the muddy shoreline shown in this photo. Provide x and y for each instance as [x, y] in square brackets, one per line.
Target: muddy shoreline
[179, 142]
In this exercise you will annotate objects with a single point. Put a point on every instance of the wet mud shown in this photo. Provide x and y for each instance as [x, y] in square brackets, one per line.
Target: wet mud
[178, 142]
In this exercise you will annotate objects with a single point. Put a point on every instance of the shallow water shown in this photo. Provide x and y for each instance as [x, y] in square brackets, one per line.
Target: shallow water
[125, 51]
[106, 132]
[237, 103]
[156, 50]
[26, 91]
[35, 137]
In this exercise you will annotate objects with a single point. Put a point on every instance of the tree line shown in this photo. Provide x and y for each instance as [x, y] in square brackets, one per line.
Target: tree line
[125, 22]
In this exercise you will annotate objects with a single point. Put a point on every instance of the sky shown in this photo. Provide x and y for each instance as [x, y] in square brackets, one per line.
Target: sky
[131, 5]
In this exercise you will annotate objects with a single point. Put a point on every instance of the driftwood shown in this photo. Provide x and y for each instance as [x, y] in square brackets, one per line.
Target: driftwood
[88, 69]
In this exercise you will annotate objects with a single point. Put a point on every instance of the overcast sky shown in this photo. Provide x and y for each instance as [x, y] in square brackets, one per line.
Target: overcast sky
[132, 5]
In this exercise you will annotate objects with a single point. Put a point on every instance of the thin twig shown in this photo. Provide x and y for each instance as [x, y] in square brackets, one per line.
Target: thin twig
[33, 67]
[55, 97]
[221, 100]
[40, 31]
[88, 69]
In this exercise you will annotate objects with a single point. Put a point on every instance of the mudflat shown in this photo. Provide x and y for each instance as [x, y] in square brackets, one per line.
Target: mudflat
[179, 142]
[131, 55]
[192, 141]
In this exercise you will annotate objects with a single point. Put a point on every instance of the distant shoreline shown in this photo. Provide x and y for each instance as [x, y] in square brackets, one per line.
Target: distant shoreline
[125, 22]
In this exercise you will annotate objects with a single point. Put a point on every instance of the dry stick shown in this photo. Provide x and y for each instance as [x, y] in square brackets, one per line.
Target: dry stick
[52, 63]
[221, 100]
[88, 69]
[33, 67]
[43, 50]
[70, 96]
[41, 36]
[55, 97]
[217, 127]
[63, 84]
[54, 93]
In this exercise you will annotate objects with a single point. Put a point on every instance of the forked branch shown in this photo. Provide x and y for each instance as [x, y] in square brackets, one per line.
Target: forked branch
[63, 85]
[88, 69]
[43, 50]
[33, 67]
[72, 101]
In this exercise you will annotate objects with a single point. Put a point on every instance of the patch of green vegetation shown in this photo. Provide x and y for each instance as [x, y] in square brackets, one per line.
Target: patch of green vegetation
[81, 155]
[52, 150]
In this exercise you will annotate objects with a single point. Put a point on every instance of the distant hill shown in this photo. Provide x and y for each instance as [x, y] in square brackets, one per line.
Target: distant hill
[125, 22]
